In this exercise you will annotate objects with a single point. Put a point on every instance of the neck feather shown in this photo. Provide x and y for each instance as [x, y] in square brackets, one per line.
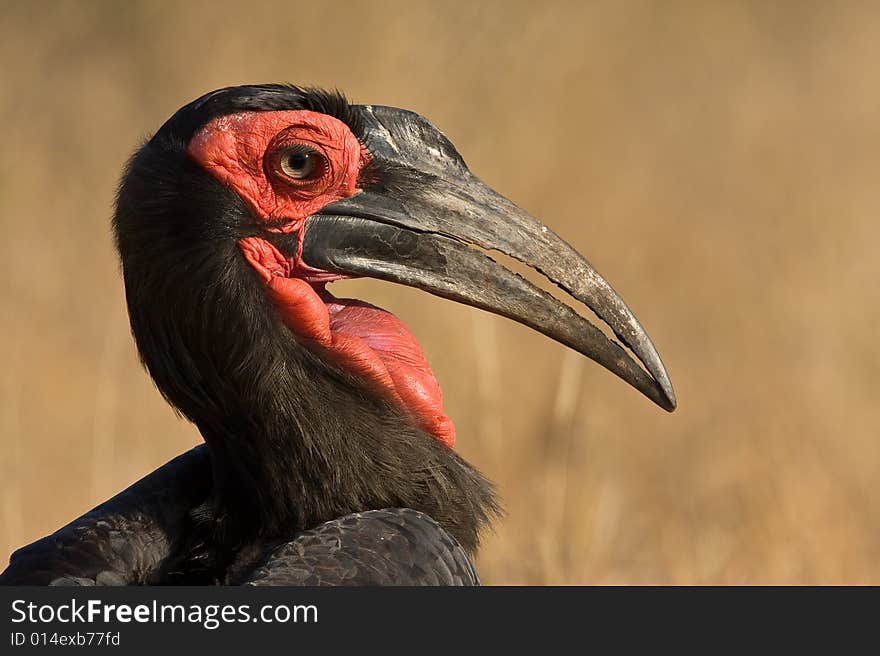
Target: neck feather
[295, 440]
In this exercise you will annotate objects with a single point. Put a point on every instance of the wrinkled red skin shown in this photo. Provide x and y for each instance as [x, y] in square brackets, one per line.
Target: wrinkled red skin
[233, 149]
[238, 151]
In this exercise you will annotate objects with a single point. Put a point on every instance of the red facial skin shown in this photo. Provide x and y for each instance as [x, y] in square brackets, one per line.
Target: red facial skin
[234, 150]
[241, 151]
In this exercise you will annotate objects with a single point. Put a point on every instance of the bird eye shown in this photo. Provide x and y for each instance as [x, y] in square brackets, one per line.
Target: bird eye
[300, 162]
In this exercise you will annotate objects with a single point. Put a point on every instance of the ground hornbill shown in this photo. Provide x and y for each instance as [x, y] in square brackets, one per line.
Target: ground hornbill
[328, 457]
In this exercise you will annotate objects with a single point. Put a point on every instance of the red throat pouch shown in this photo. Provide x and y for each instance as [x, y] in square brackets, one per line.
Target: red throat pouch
[362, 338]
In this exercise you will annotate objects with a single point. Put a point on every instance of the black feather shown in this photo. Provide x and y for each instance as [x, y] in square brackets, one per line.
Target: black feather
[181, 127]
[294, 440]
[124, 540]
[395, 546]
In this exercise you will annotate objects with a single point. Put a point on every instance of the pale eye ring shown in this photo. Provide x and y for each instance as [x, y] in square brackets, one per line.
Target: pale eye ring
[301, 163]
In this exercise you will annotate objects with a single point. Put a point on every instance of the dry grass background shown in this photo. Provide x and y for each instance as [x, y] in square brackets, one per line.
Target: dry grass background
[717, 162]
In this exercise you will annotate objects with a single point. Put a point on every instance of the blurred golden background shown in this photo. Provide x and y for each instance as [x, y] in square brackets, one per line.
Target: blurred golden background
[717, 162]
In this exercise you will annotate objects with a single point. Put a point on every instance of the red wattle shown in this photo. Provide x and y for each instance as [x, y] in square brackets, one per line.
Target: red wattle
[366, 340]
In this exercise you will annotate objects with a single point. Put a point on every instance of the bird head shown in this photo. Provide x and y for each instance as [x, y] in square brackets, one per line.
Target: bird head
[303, 188]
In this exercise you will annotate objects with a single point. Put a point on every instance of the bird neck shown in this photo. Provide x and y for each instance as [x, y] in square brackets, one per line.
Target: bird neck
[295, 440]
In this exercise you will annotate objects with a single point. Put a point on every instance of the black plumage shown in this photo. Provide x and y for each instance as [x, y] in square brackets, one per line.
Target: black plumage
[294, 440]
[311, 474]
[132, 538]
[125, 539]
[395, 546]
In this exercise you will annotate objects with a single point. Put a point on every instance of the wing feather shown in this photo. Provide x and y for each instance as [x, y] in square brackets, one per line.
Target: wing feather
[395, 546]
[124, 539]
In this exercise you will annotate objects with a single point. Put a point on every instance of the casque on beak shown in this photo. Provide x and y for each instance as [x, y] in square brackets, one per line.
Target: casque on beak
[416, 223]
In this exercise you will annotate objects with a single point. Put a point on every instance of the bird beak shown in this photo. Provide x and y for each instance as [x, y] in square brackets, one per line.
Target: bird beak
[421, 221]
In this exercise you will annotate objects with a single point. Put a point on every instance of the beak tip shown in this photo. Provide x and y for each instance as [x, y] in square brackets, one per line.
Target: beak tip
[664, 394]
[667, 395]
